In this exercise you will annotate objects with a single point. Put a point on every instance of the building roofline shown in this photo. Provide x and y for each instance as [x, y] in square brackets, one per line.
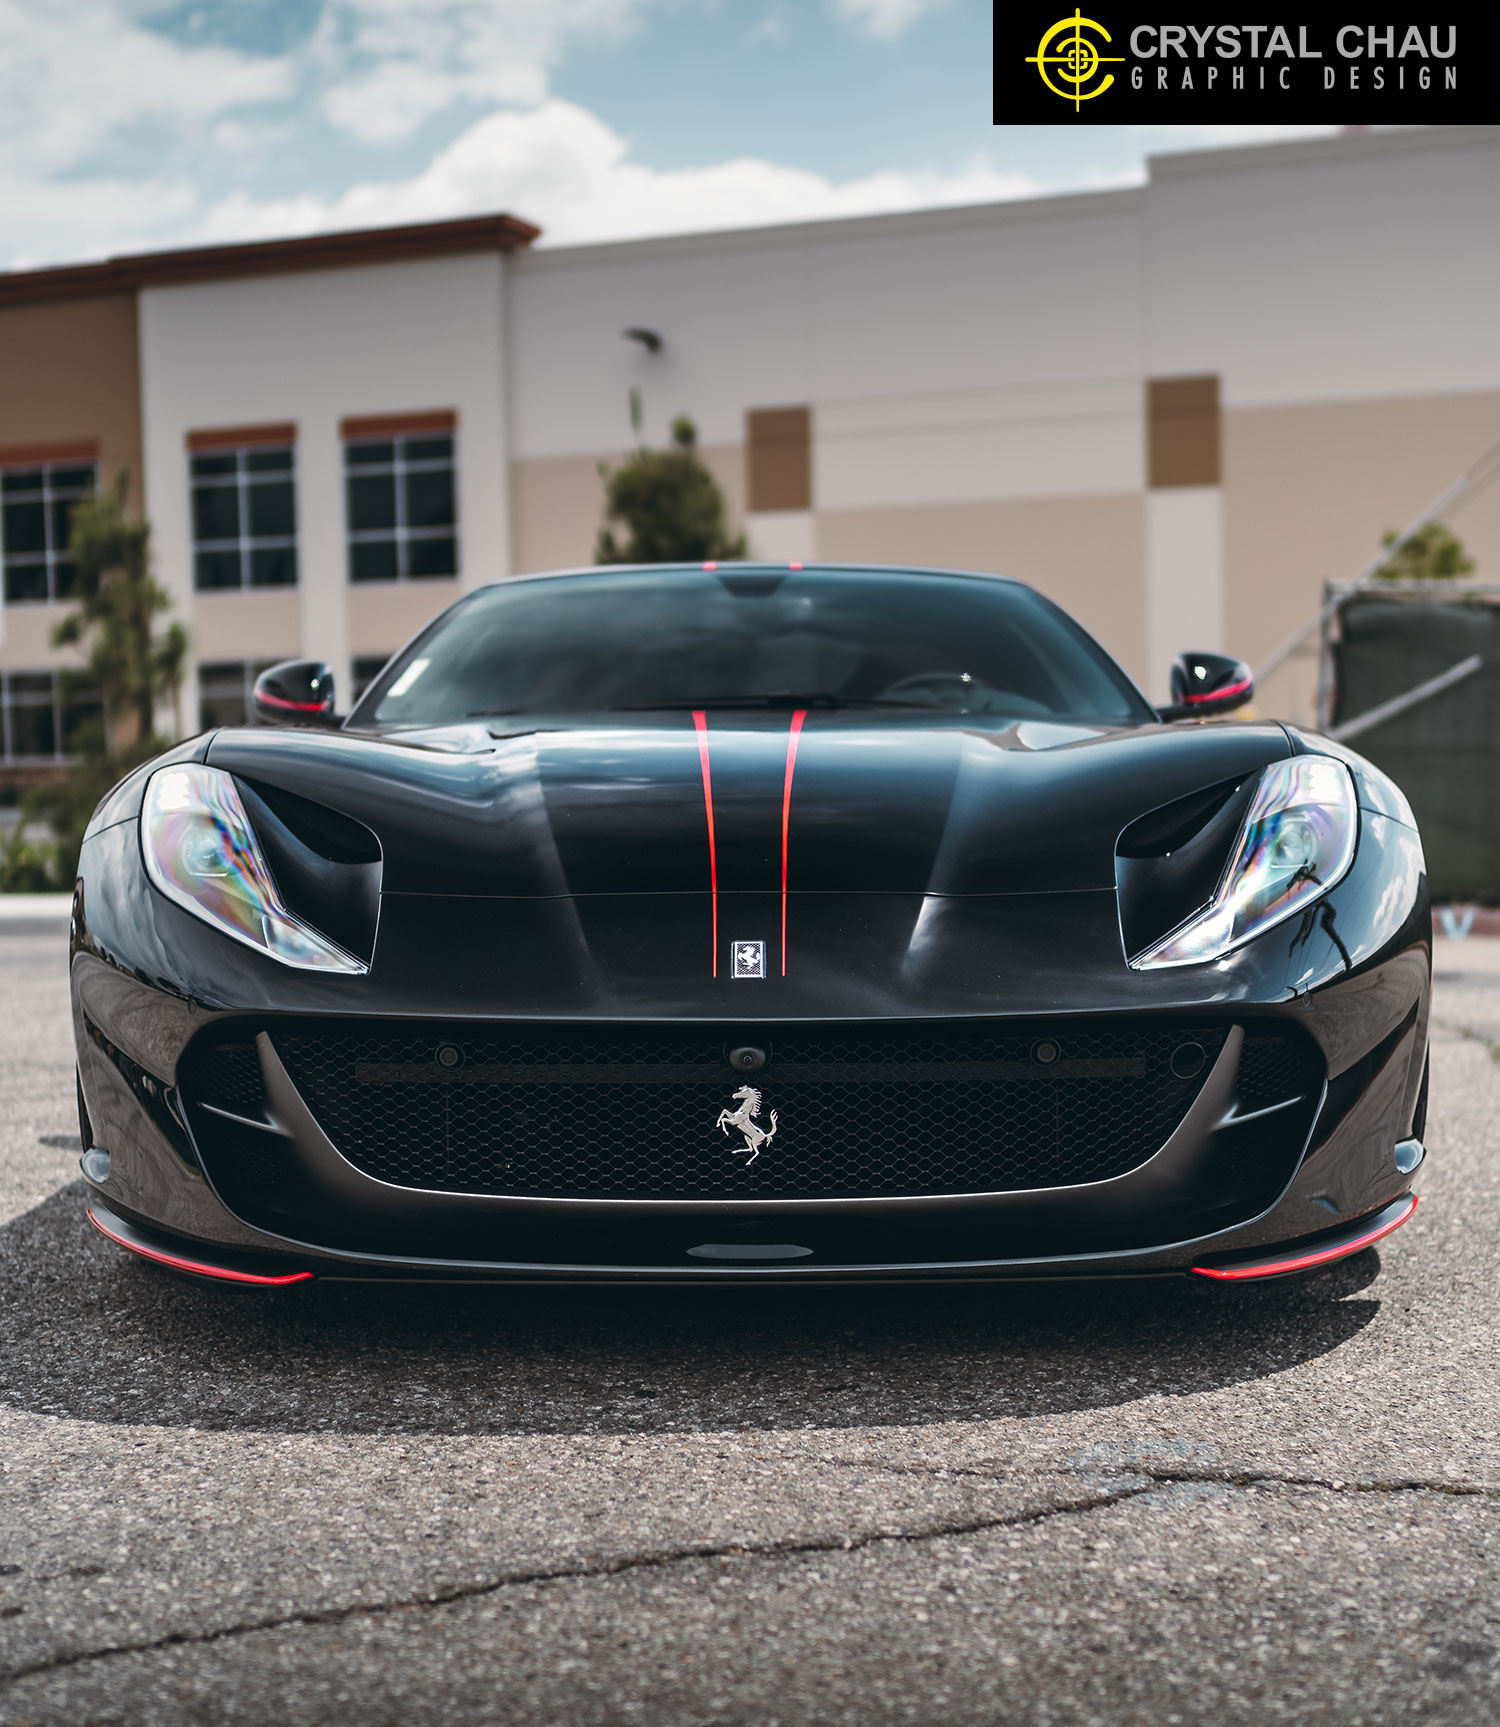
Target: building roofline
[1296, 152]
[267, 258]
[916, 223]
[506, 233]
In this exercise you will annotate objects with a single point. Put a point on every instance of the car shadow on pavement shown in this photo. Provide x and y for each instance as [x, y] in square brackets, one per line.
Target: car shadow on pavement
[90, 1334]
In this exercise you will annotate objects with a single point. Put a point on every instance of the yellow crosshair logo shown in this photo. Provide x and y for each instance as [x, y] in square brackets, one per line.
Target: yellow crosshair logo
[1074, 59]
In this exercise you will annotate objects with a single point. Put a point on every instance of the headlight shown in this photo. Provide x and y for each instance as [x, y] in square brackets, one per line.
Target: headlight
[201, 851]
[1296, 842]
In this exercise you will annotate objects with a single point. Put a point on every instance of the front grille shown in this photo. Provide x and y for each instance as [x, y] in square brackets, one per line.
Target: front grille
[227, 1075]
[861, 1111]
[1275, 1066]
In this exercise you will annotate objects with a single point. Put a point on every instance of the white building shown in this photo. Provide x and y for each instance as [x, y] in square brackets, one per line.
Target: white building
[1177, 409]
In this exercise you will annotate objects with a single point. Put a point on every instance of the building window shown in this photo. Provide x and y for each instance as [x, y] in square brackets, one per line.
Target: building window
[46, 715]
[244, 512]
[224, 689]
[36, 523]
[402, 502]
[365, 669]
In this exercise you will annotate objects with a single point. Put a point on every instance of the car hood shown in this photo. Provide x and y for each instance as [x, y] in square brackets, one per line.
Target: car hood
[853, 803]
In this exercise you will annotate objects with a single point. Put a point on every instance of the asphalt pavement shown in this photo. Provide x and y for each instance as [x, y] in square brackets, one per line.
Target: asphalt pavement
[1164, 1503]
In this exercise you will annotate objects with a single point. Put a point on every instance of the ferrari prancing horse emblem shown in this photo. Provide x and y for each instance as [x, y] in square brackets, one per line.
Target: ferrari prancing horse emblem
[749, 958]
[743, 1121]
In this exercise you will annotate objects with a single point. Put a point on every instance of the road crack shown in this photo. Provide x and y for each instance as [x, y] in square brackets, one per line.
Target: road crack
[608, 1568]
[1124, 1466]
[1135, 1481]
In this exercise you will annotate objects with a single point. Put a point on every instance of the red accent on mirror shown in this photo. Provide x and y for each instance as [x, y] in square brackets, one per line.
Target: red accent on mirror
[1218, 695]
[271, 701]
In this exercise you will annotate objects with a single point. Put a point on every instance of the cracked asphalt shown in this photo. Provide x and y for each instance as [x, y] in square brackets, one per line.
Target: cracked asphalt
[1113, 1504]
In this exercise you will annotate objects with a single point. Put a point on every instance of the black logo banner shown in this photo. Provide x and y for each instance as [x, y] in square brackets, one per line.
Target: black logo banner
[1094, 65]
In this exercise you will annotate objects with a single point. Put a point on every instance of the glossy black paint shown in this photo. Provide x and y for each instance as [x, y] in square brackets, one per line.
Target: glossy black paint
[294, 693]
[937, 867]
[1207, 686]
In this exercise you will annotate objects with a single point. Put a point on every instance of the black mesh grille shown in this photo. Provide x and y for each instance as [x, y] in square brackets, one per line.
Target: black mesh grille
[1276, 1065]
[861, 1111]
[227, 1075]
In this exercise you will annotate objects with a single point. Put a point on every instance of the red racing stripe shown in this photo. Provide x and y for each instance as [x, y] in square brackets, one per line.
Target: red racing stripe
[786, 817]
[700, 720]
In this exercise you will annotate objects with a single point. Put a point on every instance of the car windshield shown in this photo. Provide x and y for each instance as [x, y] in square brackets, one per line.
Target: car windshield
[743, 637]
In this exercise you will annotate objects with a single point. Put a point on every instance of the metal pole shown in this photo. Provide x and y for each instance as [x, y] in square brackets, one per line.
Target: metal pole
[1471, 482]
[1323, 701]
[1375, 716]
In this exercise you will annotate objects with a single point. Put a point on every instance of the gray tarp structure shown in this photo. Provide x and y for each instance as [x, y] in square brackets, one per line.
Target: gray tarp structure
[1444, 753]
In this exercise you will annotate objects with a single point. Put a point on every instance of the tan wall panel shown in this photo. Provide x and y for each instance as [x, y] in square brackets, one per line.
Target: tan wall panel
[557, 504]
[1182, 431]
[1308, 493]
[778, 443]
[1088, 554]
[72, 370]
[246, 626]
[27, 645]
[382, 617]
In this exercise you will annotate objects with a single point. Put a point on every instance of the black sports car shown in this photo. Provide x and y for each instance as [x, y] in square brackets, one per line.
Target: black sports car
[699, 923]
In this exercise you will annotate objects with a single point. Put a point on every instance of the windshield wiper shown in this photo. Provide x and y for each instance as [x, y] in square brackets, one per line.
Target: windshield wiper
[778, 700]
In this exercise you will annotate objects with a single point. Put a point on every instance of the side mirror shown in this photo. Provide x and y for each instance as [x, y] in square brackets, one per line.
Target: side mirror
[1207, 684]
[295, 693]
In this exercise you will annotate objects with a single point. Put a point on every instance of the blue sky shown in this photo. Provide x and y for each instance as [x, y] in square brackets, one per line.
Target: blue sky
[133, 124]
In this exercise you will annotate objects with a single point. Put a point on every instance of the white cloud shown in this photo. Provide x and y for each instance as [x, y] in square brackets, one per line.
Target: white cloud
[887, 18]
[394, 64]
[562, 167]
[86, 87]
[73, 73]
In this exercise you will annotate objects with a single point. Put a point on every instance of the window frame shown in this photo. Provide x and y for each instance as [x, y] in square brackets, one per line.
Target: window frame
[248, 671]
[400, 534]
[243, 481]
[59, 705]
[51, 555]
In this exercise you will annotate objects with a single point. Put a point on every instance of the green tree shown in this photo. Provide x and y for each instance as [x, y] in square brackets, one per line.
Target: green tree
[671, 505]
[129, 662]
[1432, 554]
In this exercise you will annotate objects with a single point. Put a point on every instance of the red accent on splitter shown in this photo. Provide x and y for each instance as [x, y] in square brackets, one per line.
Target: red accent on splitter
[195, 1265]
[1340, 1249]
[700, 720]
[786, 818]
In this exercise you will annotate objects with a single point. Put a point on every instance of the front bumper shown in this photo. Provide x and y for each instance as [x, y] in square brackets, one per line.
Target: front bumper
[1352, 978]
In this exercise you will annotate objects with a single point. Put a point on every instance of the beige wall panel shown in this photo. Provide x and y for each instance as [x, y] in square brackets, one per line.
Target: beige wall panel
[961, 445]
[27, 644]
[557, 504]
[1088, 554]
[72, 370]
[1309, 491]
[382, 617]
[247, 626]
